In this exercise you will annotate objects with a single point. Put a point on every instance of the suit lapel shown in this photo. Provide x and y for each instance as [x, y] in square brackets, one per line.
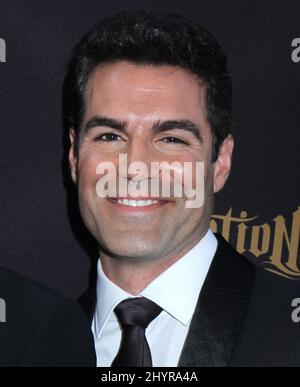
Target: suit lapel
[220, 310]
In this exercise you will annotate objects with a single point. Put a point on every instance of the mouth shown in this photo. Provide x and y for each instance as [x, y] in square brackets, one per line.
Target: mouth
[139, 204]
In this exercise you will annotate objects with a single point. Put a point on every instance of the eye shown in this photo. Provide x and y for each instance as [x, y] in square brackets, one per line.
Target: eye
[174, 140]
[108, 137]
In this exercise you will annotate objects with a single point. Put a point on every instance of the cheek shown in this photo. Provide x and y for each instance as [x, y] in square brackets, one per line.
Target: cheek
[198, 173]
[87, 175]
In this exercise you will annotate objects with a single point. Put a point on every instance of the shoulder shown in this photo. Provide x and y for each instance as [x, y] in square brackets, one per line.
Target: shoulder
[274, 295]
[228, 260]
[17, 289]
[41, 326]
[270, 336]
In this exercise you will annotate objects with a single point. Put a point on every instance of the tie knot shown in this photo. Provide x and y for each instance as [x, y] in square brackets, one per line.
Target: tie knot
[137, 312]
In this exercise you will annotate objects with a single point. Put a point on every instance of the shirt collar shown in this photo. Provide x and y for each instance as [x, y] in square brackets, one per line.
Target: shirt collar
[176, 290]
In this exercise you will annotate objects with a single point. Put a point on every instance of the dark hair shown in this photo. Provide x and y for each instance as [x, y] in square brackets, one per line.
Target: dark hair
[156, 39]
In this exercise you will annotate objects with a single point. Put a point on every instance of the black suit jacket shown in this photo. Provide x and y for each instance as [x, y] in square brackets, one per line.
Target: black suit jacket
[42, 328]
[242, 317]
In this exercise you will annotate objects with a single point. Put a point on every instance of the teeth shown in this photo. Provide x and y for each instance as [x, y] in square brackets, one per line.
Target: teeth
[135, 203]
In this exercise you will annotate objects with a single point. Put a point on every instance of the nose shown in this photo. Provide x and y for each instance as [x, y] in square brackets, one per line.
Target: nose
[139, 154]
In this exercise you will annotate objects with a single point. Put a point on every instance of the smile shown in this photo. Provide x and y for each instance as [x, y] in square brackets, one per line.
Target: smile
[139, 206]
[135, 203]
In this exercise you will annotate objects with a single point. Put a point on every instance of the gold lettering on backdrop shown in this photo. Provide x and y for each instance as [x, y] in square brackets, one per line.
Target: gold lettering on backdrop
[265, 231]
[276, 244]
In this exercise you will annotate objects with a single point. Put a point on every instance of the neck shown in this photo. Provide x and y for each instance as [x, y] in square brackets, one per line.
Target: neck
[134, 275]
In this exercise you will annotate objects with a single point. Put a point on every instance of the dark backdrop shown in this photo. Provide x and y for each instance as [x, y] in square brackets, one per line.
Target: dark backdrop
[257, 210]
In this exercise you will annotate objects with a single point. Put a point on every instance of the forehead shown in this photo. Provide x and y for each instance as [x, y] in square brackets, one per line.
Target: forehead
[144, 90]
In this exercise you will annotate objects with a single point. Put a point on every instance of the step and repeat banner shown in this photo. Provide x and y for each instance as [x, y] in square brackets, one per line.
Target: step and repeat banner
[258, 211]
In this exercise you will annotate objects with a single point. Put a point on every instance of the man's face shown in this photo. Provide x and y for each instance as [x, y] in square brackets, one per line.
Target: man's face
[141, 96]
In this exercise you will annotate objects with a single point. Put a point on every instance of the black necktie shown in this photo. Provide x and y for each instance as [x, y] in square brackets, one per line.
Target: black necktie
[134, 315]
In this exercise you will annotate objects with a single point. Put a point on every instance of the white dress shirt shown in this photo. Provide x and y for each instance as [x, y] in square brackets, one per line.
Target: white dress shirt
[176, 291]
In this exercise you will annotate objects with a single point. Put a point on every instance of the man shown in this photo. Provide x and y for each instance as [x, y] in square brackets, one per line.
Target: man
[38, 327]
[155, 88]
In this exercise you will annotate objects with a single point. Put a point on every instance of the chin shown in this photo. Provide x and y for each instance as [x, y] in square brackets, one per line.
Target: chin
[136, 250]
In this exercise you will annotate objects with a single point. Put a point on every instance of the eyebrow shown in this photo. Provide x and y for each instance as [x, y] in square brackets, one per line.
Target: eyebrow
[158, 126]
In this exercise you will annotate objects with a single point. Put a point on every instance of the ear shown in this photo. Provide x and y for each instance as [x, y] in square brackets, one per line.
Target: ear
[72, 155]
[222, 165]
